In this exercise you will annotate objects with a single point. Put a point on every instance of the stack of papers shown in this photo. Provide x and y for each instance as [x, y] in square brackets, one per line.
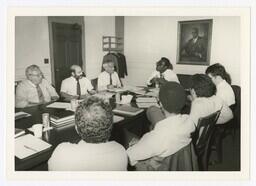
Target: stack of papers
[59, 105]
[127, 110]
[145, 102]
[29, 145]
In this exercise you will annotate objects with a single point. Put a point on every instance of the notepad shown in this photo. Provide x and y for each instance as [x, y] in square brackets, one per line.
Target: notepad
[127, 110]
[60, 105]
[28, 145]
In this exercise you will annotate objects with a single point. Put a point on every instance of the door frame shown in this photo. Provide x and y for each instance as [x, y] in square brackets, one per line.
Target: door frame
[68, 20]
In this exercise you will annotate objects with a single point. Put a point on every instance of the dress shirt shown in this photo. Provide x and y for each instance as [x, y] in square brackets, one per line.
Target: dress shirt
[225, 92]
[26, 93]
[104, 80]
[69, 86]
[168, 75]
[109, 156]
[202, 107]
[169, 136]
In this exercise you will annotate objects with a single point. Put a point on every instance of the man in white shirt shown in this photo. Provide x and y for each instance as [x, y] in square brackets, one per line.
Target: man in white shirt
[34, 90]
[170, 134]
[220, 77]
[204, 102]
[93, 123]
[108, 79]
[163, 73]
[76, 86]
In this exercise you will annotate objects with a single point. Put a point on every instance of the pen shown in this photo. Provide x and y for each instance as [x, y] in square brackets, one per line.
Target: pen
[27, 147]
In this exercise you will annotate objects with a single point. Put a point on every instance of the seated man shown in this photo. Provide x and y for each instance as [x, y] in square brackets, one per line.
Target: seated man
[108, 79]
[76, 86]
[163, 73]
[170, 134]
[34, 90]
[93, 123]
[204, 100]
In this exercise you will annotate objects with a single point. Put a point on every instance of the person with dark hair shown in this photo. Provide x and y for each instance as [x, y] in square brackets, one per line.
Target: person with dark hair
[204, 100]
[93, 123]
[35, 89]
[195, 48]
[77, 86]
[221, 78]
[170, 134]
[164, 72]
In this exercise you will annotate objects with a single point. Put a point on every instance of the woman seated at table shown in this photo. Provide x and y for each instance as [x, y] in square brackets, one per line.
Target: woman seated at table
[168, 136]
[204, 100]
[93, 123]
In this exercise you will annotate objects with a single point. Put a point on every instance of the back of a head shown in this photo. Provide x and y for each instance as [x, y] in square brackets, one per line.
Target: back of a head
[94, 120]
[203, 85]
[172, 96]
[167, 63]
[218, 70]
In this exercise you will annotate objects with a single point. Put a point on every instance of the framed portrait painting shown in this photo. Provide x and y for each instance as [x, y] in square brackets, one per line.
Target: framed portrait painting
[194, 42]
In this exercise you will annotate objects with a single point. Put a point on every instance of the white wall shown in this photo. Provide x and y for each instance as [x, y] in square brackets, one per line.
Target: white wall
[31, 45]
[149, 38]
[95, 28]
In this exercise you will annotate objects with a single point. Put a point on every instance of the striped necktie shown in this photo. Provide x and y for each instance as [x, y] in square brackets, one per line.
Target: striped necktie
[78, 88]
[40, 94]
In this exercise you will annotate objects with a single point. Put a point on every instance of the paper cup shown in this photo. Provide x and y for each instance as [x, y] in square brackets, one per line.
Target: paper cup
[38, 130]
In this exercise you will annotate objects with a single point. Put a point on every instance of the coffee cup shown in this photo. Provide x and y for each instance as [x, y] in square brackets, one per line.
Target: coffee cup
[38, 130]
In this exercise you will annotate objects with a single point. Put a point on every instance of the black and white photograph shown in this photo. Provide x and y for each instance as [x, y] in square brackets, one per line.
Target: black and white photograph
[118, 93]
[194, 42]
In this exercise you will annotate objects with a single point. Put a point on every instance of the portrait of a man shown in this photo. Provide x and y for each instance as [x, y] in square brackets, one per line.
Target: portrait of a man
[194, 42]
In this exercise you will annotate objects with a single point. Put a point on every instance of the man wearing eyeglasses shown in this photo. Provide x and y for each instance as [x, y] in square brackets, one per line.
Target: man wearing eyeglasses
[34, 90]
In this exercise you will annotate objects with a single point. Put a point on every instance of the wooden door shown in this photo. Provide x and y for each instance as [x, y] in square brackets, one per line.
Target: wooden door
[67, 49]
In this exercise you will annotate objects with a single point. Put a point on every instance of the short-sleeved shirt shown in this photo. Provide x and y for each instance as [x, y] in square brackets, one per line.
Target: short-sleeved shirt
[26, 93]
[226, 93]
[69, 86]
[104, 80]
[168, 75]
[109, 156]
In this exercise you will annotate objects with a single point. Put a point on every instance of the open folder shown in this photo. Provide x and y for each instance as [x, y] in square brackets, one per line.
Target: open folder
[28, 145]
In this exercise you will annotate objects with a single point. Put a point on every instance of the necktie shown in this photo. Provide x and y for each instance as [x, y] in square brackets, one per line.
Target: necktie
[40, 94]
[78, 88]
[110, 76]
[161, 75]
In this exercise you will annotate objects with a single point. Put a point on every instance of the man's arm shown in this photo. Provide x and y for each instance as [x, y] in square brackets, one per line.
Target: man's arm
[68, 97]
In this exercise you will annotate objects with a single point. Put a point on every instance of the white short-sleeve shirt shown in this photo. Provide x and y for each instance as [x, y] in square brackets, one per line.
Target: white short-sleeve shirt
[104, 80]
[168, 75]
[69, 86]
[225, 92]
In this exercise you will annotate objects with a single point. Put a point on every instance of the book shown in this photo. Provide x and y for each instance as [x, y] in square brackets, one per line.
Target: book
[28, 145]
[19, 132]
[147, 104]
[127, 110]
[62, 115]
[146, 100]
[19, 115]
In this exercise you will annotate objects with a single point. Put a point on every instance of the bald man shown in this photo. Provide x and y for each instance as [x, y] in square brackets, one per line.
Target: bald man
[76, 86]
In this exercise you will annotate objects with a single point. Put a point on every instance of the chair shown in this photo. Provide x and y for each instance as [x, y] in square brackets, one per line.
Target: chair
[202, 138]
[183, 160]
[231, 126]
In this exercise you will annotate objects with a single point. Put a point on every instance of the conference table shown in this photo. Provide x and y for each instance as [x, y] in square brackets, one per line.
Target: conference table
[137, 125]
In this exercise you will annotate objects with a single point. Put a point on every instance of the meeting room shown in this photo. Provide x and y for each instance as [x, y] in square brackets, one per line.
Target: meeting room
[127, 93]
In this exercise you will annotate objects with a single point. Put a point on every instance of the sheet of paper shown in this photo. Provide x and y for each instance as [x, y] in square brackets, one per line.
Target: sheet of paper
[28, 145]
[60, 105]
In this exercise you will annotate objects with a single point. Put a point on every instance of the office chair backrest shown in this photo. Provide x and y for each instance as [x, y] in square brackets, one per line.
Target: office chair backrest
[202, 139]
[236, 108]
